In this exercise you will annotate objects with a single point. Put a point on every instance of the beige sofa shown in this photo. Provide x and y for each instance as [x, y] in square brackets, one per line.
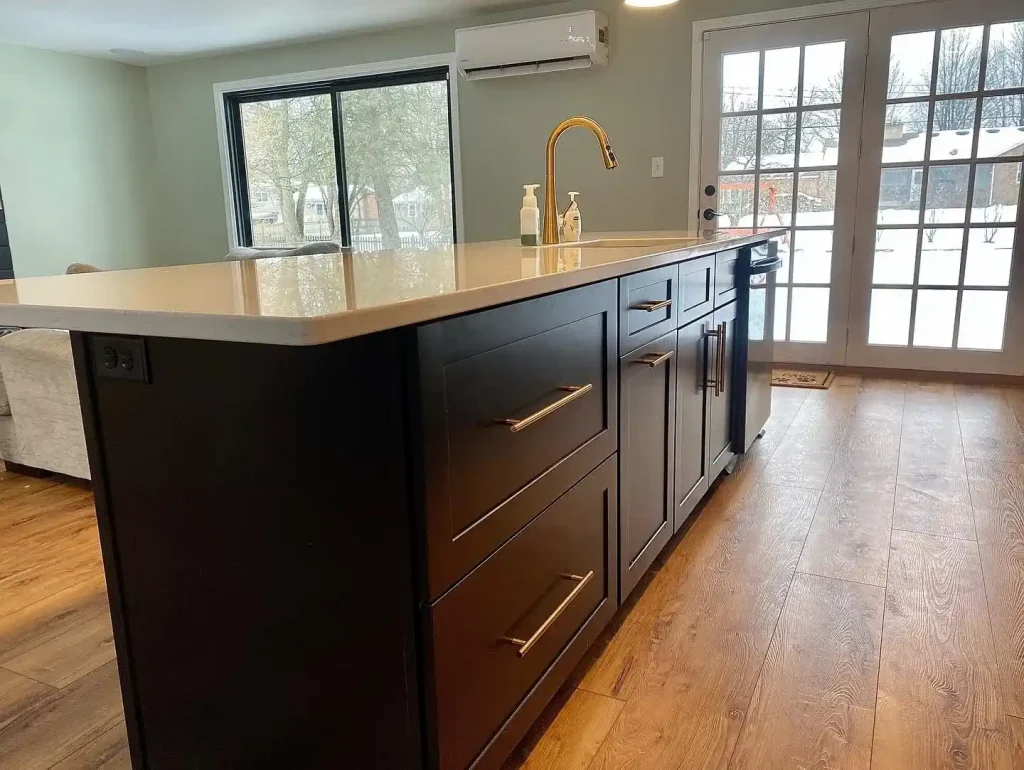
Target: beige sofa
[40, 416]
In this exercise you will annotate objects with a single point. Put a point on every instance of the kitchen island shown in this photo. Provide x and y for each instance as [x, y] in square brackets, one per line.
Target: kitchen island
[370, 510]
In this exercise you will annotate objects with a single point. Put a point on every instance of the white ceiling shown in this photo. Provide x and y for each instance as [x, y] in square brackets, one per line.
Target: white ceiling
[172, 29]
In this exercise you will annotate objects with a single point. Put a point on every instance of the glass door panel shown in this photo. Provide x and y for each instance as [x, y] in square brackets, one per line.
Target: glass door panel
[398, 166]
[291, 170]
[937, 231]
[779, 150]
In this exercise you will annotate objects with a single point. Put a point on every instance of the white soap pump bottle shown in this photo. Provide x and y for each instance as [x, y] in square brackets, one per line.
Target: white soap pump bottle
[572, 222]
[529, 217]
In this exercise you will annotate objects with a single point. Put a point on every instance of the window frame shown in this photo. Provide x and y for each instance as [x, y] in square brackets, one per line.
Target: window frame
[230, 96]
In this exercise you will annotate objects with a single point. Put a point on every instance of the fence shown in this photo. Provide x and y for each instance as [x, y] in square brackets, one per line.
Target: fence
[363, 242]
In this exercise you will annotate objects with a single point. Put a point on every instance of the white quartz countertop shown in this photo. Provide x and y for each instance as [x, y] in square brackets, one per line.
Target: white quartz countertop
[320, 298]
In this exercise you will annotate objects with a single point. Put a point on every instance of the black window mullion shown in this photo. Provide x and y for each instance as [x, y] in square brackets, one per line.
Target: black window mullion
[341, 170]
[451, 156]
[239, 171]
[236, 139]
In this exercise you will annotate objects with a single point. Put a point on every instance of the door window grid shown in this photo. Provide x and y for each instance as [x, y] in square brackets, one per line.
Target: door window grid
[804, 292]
[942, 178]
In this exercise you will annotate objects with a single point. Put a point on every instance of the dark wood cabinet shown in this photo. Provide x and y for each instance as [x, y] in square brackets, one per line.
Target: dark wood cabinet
[518, 403]
[545, 594]
[647, 428]
[696, 288]
[721, 350]
[726, 263]
[649, 306]
[692, 394]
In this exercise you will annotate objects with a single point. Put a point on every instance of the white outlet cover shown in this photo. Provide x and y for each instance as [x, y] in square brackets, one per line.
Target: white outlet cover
[657, 168]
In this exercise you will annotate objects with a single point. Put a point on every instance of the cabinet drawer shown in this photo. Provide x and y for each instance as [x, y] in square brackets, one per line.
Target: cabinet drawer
[696, 288]
[551, 585]
[648, 306]
[726, 263]
[518, 405]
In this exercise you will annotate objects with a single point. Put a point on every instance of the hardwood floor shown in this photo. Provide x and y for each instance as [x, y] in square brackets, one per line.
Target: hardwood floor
[60, 701]
[851, 597]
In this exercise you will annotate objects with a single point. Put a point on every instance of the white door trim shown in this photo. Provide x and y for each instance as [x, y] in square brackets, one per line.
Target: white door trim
[747, 20]
[337, 73]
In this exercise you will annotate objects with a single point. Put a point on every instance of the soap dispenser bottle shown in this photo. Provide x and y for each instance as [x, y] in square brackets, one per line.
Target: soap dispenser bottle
[572, 222]
[529, 217]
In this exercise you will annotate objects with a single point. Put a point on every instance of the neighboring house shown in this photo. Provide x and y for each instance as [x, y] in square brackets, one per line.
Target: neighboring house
[995, 184]
[417, 213]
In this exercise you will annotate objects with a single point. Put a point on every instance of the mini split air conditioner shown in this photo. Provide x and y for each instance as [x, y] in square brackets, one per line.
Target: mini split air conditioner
[565, 42]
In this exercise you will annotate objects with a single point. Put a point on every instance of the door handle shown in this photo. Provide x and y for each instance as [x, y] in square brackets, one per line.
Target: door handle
[525, 645]
[655, 359]
[710, 214]
[574, 392]
[717, 335]
[722, 340]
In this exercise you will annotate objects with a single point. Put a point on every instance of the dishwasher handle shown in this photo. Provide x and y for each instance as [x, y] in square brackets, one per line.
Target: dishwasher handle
[762, 266]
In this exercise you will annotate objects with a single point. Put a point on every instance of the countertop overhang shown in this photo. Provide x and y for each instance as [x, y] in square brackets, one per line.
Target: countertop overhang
[322, 298]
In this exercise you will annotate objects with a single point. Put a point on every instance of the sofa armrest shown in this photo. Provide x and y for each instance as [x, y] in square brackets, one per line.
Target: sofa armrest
[39, 373]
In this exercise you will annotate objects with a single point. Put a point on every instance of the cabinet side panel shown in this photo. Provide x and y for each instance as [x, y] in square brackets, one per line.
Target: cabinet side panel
[255, 521]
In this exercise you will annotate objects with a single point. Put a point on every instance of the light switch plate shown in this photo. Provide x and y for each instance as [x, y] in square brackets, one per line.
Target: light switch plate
[657, 168]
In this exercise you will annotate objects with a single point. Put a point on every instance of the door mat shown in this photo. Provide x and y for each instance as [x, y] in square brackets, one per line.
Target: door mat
[803, 378]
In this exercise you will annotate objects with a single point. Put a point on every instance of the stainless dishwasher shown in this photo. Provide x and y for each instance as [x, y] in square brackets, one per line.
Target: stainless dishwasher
[755, 276]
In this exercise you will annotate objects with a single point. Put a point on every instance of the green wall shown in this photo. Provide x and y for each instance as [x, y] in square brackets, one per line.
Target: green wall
[119, 166]
[76, 149]
[642, 98]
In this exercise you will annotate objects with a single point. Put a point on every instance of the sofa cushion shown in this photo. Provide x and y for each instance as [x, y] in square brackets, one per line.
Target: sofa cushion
[5, 402]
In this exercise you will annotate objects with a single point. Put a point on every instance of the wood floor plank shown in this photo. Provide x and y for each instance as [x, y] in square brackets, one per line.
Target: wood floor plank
[797, 467]
[108, 752]
[574, 736]
[814, 702]
[17, 695]
[41, 512]
[997, 490]
[66, 658]
[1016, 725]
[618, 663]
[63, 722]
[939, 703]
[849, 537]
[50, 617]
[14, 485]
[927, 514]
[690, 703]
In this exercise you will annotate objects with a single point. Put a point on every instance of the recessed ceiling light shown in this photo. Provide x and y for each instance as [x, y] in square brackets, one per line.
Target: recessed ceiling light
[649, 3]
[128, 53]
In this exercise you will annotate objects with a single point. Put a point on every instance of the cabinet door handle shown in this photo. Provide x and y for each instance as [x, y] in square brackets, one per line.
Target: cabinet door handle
[525, 645]
[722, 340]
[574, 392]
[655, 359]
[717, 335]
[650, 307]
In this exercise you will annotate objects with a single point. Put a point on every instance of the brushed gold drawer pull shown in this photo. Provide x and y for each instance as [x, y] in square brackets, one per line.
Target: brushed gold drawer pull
[650, 307]
[525, 645]
[574, 392]
[655, 359]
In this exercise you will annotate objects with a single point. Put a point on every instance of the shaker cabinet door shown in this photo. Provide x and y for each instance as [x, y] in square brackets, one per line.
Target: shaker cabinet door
[720, 364]
[692, 394]
[647, 430]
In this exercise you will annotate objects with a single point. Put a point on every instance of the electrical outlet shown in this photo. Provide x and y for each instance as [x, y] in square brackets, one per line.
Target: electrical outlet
[120, 358]
[657, 168]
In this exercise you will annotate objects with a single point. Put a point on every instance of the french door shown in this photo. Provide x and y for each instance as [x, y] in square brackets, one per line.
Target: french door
[926, 172]
[937, 279]
[781, 110]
